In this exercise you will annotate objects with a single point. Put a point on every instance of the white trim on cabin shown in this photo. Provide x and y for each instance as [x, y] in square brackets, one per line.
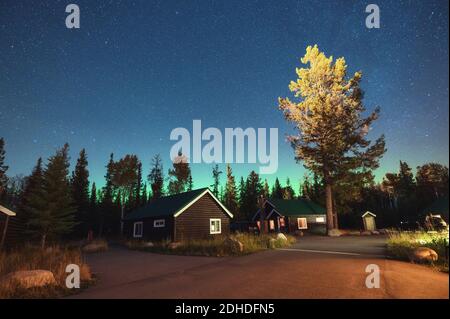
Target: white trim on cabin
[212, 226]
[305, 221]
[159, 223]
[141, 228]
[6, 211]
[271, 212]
[368, 213]
[178, 213]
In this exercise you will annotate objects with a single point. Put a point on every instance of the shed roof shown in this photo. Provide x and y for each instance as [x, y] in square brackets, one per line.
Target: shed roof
[172, 205]
[6, 211]
[294, 207]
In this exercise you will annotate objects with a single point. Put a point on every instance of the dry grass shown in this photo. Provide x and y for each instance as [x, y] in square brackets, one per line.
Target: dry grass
[402, 244]
[95, 246]
[54, 259]
[215, 246]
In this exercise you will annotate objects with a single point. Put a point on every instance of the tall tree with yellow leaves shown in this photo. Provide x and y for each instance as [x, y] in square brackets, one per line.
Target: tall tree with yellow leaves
[332, 132]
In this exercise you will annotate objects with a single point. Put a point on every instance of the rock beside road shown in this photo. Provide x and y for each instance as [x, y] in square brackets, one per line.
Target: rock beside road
[334, 233]
[233, 245]
[29, 278]
[424, 254]
[282, 236]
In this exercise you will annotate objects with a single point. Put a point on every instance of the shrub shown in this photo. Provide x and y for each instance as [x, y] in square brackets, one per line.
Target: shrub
[214, 246]
[402, 244]
[54, 259]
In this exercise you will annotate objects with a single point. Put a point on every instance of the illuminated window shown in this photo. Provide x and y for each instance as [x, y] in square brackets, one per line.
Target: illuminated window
[215, 226]
[301, 222]
[272, 224]
[159, 223]
[138, 229]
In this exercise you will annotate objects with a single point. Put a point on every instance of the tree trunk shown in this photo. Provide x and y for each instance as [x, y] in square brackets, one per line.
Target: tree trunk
[329, 201]
[121, 219]
[43, 239]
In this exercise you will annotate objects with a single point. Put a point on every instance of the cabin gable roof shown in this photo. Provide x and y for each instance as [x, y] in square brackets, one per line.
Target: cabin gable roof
[173, 205]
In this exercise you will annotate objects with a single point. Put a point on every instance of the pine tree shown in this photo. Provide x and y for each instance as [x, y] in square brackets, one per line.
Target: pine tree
[332, 133]
[230, 196]
[156, 178]
[80, 194]
[288, 192]
[253, 189]
[432, 182]
[106, 211]
[124, 177]
[266, 190]
[241, 199]
[216, 178]
[93, 211]
[179, 174]
[144, 197]
[32, 198]
[3, 169]
[138, 189]
[277, 190]
[55, 213]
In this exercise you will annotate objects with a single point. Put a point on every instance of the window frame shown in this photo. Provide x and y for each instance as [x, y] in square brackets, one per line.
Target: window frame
[157, 221]
[298, 223]
[134, 230]
[215, 232]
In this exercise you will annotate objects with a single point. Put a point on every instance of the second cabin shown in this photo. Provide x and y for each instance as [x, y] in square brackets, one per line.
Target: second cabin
[288, 216]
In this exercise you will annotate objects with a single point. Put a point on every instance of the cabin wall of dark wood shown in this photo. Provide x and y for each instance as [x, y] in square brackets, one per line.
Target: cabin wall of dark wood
[314, 227]
[15, 234]
[194, 222]
[150, 232]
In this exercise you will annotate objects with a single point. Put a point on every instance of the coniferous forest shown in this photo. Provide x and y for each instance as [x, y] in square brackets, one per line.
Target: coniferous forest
[53, 202]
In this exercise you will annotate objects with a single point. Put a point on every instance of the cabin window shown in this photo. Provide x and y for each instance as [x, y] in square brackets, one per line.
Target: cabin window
[320, 219]
[272, 224]
[302, 224]
[138, 229]
[215, 226]
[158, 223]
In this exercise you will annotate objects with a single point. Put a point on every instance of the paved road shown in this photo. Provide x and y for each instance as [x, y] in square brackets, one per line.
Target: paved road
[301, 272]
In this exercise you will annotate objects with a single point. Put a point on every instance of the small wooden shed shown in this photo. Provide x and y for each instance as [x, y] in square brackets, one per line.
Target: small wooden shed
[369, 221]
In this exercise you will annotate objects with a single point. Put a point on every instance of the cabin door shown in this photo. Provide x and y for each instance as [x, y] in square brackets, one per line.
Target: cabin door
[370, 223]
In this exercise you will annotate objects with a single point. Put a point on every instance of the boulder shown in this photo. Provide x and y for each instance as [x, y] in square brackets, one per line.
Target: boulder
[334, 232]
[366, 233]
[424, 254]
[383, 231]
[29, 278]
[282, 236]
[233, 245]
[148, 244]
[354, 233]
[375, 232]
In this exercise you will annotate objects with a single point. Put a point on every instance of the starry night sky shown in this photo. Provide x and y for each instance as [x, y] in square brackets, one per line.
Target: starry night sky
[137, 69]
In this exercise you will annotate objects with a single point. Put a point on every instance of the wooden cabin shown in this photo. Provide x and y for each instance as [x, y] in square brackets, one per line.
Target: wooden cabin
[197, 214]
[288, 216]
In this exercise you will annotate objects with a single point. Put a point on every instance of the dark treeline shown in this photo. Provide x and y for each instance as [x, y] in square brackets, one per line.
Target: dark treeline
[54, 203]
